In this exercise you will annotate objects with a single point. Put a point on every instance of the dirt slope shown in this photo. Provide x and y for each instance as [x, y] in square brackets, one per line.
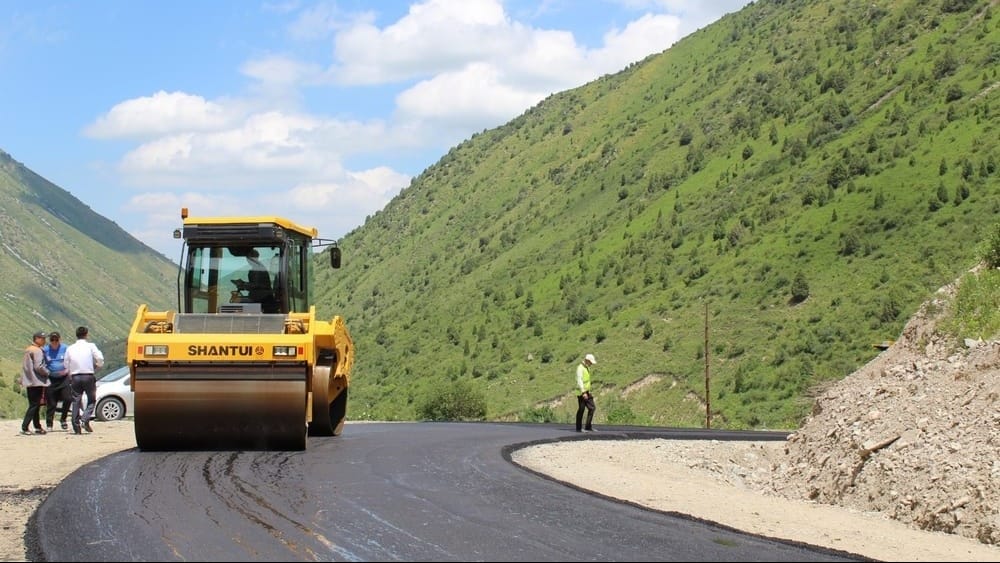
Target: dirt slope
[914, 434]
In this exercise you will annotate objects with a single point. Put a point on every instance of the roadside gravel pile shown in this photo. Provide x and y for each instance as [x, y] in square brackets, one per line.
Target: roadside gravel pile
[914, 435]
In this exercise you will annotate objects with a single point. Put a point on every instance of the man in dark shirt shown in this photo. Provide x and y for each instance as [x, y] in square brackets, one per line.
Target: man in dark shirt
[259, 282]
[59, 389]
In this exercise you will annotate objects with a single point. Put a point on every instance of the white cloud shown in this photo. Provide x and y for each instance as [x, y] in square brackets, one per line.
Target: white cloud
[161, 114]
[692, 14]
[640, 38]
[244, 171]
[477, 68]
[546, 60]
[369, 190]
[271, 142]
[161, 213]
[434, 36]
[474, 97]
[151, 203]
[273, 150]
[279, 70]
[383, 181]
[457, 67]
[337, 207]
[316, 22]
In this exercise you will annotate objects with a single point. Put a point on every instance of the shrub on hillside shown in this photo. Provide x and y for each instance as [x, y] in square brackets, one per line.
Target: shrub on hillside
[538, 414]
[990, 254]
[800, 288]
[453, 401]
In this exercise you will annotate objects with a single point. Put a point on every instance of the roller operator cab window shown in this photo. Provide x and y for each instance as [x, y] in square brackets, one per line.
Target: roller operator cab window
[218, 276]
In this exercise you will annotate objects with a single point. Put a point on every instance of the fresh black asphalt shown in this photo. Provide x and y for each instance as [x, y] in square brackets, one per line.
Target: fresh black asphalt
[379, 492]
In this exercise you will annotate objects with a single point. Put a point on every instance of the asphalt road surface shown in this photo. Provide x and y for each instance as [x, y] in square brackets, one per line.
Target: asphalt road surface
[379, 492]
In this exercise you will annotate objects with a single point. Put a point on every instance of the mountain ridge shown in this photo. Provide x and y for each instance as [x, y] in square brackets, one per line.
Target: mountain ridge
[65, 265]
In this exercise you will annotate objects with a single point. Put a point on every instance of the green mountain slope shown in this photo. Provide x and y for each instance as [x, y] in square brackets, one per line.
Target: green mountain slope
[63, 265]
[756, 206]
[747, 212]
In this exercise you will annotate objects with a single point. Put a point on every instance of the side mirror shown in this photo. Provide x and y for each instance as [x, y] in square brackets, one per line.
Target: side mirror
[335, 257]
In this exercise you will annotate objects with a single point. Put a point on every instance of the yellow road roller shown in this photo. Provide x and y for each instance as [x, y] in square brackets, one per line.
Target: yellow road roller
[242, 363]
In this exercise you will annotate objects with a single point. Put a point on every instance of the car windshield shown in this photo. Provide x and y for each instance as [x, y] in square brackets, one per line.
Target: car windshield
[115, 375]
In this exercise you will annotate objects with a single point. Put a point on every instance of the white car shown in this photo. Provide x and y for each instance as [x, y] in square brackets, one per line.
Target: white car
[115, 399]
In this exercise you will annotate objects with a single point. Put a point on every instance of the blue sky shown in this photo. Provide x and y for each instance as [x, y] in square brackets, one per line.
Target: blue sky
[319, 111]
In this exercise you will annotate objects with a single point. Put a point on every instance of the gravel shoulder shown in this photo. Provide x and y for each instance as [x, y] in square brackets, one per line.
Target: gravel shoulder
[33, 465]
[722, 482]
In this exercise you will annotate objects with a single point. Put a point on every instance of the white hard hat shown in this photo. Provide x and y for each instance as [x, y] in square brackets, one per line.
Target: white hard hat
[590, 358]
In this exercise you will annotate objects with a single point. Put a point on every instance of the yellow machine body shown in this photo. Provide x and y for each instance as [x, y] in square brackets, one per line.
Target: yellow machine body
[235, 369]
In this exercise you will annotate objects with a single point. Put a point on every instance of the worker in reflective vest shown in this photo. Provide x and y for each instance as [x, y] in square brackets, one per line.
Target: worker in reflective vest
[584, 398]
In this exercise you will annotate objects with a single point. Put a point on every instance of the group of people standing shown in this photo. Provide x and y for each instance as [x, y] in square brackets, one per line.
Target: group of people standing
[62, 374]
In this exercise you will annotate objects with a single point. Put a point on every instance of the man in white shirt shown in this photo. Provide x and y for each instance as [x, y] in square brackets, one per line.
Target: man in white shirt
[82, 359]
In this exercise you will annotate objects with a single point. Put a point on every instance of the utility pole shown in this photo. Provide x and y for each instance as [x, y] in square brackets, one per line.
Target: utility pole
[708, 399]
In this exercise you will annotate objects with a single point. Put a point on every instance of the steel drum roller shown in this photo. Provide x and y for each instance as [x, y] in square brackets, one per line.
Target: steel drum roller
[232, 407]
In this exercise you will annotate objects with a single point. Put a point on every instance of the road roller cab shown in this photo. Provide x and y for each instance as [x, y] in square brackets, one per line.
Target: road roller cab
[243, 362]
